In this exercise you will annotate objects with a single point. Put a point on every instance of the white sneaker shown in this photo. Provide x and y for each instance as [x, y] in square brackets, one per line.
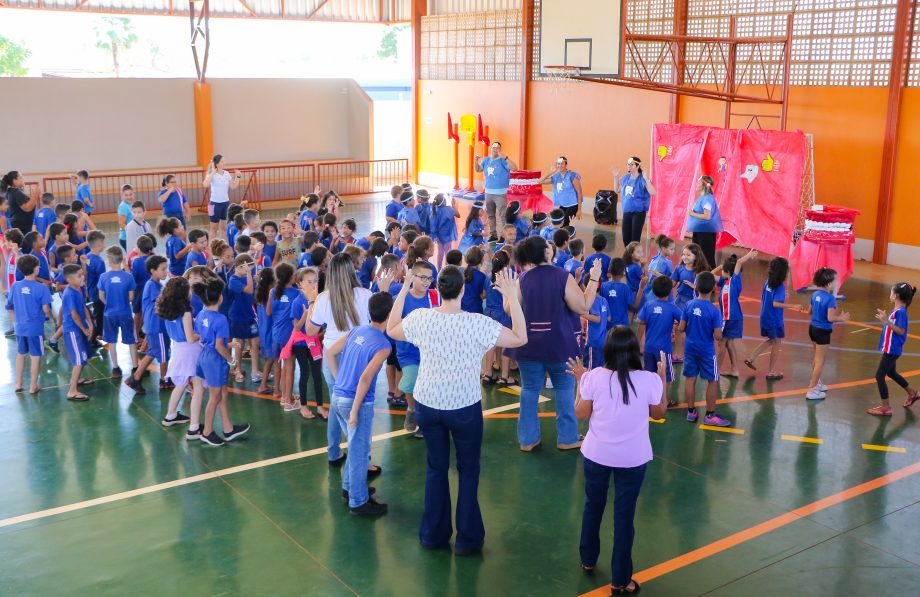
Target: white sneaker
[256, 377]
[821, 387]
[549, 383]
[815, 394]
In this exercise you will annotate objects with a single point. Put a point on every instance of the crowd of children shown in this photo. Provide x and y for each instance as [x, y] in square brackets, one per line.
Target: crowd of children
[202, 307]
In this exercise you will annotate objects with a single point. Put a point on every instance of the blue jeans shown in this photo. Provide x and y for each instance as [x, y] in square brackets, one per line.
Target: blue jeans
[464, 425]
[354, 475]
[626, 485]
[334, 430]
[533, 374]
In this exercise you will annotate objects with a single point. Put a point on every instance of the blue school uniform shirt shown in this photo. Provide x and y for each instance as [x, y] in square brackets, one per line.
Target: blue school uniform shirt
[232, 233]
[241, 304]
[139, 271]
[366, 272]
[658, 266]
[889, 342]
[564, 194]
[659, 317]
[771, 318]
[394, 288]
[572, 266]
[406, 352]
[634, 193]
[269, 251]
[175, 329]
[27, 299]
[472, 236]
[44, 270]
[589, 263]
[363, 343]
[282, 323]
[424, 217]
[497, 175]
[634, 276]
[407, 215]
[393, 208]
[472, 292]
[172, 205]
[43, 218]
[192, 259]
[211, 326]
[597, 331]
[703, 319]
[225, 272]
[152, 323]
[495, 301]
[305, 260]
[363, 244]
[619, 297]
[821, 301]
[730, 298]
[124, 209]
[95, 267]
[713, 224]
[116, 285]
[73, 300]
[561, 258]
[264, 321]
[197, 305]
[398, 252]
[299, 307]
[174, 245]
[681, 275]
[523, 228]
[85, 196]
[547, 232]
[307, 219]
[444, 226]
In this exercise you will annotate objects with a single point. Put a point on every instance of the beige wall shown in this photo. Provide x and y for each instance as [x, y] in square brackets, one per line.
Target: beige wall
[62, 125]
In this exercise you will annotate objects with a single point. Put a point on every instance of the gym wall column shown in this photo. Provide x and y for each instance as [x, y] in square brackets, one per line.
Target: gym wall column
[419, 10]
[204, 127]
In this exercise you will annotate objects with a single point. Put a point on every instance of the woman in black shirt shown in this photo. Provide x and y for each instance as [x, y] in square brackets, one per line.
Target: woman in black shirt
[22, 207]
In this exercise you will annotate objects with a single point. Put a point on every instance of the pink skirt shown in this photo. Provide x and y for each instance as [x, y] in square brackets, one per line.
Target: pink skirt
[183, 361]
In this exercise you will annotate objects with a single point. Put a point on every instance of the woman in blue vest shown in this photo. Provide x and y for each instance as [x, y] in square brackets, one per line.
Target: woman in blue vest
[567, 193]
[636, 194]
[497, 173]
[705, 222]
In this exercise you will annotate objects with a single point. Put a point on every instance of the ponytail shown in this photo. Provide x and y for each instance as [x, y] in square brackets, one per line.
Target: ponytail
[905, 292]
[7, 181]
[474, 257]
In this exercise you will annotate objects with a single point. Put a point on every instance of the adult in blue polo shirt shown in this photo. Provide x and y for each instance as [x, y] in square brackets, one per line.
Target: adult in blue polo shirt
[567, 193]
[175, 204]
[636, 193]
[704, 221]
[496, 171]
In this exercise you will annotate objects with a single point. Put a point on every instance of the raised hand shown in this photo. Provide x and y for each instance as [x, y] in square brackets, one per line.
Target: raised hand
[575, 367]
[385, 280]
[596, 268]
[507, 285]
[881, 315]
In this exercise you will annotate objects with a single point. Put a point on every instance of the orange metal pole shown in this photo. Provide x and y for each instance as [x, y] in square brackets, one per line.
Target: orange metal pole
[900, 58]
[419, 10]
[472, 150]
[204, 128]
[456, 158]
[527, 9]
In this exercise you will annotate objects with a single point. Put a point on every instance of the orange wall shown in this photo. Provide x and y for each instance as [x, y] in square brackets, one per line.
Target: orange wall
[905, 208]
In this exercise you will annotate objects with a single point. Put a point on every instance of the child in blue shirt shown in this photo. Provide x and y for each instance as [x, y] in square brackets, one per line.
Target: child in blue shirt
[176, 247]
[264, 285]
[145, 247]
[473, 233]
[513, 217]
[443, 226]
[556, 218]
[891, 345]
[692, 262]
[823, 316]
[660, 264]
[561, 240]
[619, 296]
[729, 281]
[270, 229]
[116, 292]
[83, 193]
[34, 244]
[95, 267]
[423, 208]
[598, 244]
[702, 322]
[634, 257]
[475, 282]
[154, 328]
[408, 213]
[657, 319]
[242, 314]
[355, 361]
[223, 255]
[30, 303]
[308, 212]
[540, 221]
[280, 302]
[45, 216]
[214, 362]
[574, 265]
[598, 323]
[78, 328]
[198, 244]
[308, 353]
[394, 206]
[772, 325]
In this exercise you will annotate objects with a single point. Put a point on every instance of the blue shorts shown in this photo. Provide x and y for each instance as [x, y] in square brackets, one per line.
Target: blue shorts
[158, 347]
[594, 357]
[773, 333]
[113, 324]
[703, 366]
[268, 350]
[218, 211]
[75, 343]
[732, 329]
[212, 368]
[243, 330]
[31, 345]
[650, 363]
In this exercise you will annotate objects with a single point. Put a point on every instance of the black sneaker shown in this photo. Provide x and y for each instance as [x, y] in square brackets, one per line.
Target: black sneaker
[135, 385]
[116, 372]
[193, 434]
[338, 461]
[212, 440]
[370, 508]
[54, 346]
[167, 384]
[370, 492]
[374, 472]
[179, 419]
[237, 431]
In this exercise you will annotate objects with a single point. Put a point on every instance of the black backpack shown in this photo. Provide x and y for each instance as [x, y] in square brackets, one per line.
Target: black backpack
[605, 207]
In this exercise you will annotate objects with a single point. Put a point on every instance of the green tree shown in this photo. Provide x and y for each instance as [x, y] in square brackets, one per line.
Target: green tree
[12, 57]
[114, 34]
[388, 43]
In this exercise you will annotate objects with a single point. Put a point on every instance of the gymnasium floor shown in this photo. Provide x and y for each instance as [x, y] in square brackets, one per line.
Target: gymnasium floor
[817, 499]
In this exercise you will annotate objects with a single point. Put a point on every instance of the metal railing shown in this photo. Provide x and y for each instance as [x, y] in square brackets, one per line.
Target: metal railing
[259, 184]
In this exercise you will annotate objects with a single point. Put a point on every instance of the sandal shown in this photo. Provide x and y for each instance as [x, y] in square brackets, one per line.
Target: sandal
[400, 401]
[911, 399]
[81, 397]
[672, 403]
[322, 416]
[751, 366]
[86, 382]
[486, 380]
[309, 412]
[505, 381]
[880, 411]
[632, 583]
[267, 391]
[775, 376]
[20, 389]
[36, 390]
[239, 377]
[587, 569]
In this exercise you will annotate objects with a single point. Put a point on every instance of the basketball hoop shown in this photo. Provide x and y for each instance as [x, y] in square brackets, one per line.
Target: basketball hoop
[561, 76]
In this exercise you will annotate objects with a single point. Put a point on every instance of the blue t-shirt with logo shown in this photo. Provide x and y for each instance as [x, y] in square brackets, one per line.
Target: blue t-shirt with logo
[730, 298]
[85, 196]
[363, 343]
[282, 323]
[152, 323]
[241, 304]
[659, 317]
[771, 318]
[703, 319]
[192, 259]
[175, 244]
[589, 263]
[43, 218]
[564, 194]
[116, 285]
[597, 331]
[497, 175]
[889, 342]
[714, 223]
[73, 300]
[619, 297]
[821, 301]
[634, 193]
[27, 299]
[211, 326]
[172, 205]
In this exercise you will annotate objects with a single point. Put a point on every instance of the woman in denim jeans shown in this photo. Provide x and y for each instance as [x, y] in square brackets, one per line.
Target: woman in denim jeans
[617, 401]
[550, 298]
[448, 397]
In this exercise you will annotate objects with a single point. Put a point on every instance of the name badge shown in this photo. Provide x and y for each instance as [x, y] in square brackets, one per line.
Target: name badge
[559, 187]
[629, 191]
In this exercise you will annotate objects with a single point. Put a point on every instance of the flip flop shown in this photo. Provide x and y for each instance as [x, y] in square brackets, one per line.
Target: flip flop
[504, 381]
[775, 376]
[20, 389]
[750, 364]
[78, 398]
[266, 392]
[322, 416]
[636, 588]
[86, 382]
[36, 391]
[310, 418]
[486, 380]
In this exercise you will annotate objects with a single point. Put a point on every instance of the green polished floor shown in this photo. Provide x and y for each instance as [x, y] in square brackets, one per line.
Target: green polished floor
[200, 526]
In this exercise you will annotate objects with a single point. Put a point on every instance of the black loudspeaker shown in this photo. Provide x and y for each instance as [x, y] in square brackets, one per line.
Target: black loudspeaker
[605, 207]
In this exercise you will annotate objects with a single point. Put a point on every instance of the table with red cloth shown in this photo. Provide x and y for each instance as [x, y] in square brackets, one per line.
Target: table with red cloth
[827, 241]
[525, 188]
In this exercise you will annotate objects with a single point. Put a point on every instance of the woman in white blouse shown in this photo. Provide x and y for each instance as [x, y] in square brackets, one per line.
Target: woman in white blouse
[220, 182]
[448, 397]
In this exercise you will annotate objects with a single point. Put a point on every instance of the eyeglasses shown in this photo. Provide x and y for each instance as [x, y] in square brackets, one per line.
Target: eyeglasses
[424, 278]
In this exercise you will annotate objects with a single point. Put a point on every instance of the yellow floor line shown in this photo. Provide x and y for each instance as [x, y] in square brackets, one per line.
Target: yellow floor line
[804, 440]
[723, 429]
[659, 421]
[884, 448]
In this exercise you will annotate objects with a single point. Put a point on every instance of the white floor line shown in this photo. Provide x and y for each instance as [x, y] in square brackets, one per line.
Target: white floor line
[124, 495]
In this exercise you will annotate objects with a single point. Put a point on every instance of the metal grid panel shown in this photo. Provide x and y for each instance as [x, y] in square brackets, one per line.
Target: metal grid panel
[443, 7]
[483, 46]
[913, 69]
[651, 17]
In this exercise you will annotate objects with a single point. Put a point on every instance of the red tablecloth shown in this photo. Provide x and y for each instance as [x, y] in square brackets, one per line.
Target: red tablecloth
[807, 257]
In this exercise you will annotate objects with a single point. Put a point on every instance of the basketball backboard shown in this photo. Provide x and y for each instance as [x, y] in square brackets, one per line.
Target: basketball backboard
[582, 33]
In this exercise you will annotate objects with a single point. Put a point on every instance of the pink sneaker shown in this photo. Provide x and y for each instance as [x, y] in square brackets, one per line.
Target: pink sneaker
[716, 421]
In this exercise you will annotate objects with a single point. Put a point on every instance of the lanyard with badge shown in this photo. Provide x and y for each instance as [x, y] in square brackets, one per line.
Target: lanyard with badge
[560, 186]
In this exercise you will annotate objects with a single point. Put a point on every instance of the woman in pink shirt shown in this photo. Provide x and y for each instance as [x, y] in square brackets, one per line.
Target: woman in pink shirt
[617, 401]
